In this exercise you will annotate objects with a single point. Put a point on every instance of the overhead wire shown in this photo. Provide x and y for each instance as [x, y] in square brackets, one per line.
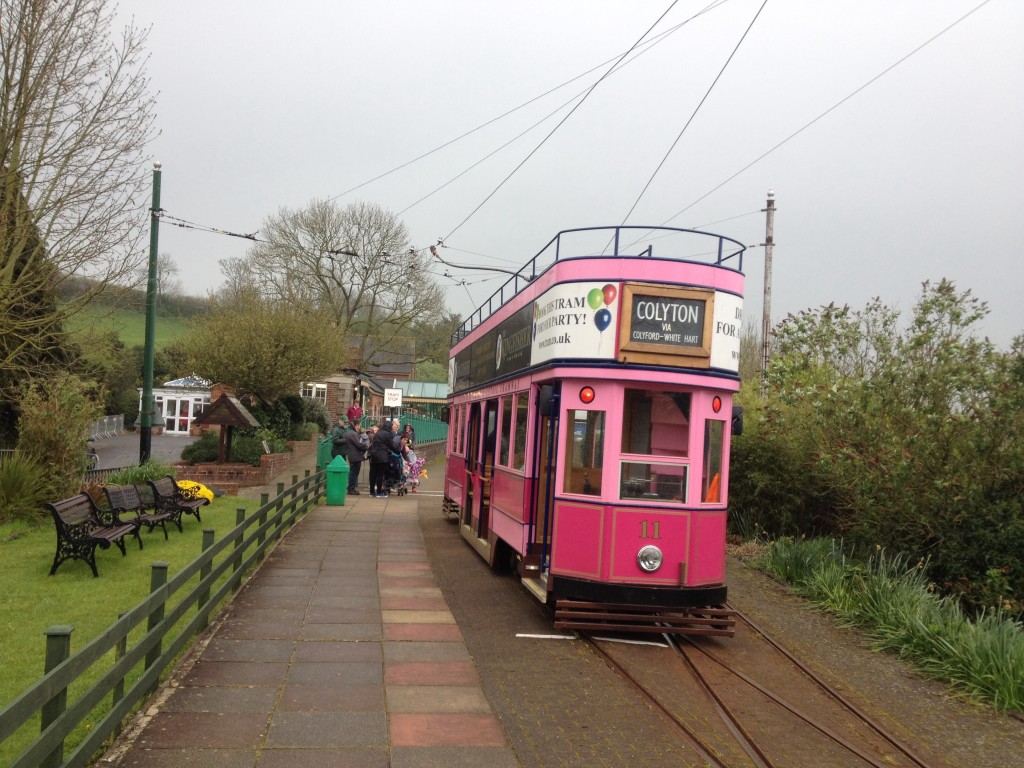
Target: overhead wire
[835, 106]
[648, 44]
[559, 125]
[694, 113]
[619, 65]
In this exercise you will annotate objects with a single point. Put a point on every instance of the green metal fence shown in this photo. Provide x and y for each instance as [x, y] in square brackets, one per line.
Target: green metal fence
[199, 590]
[428, 430]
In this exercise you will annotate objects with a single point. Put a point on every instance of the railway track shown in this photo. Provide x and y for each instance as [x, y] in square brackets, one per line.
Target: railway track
[749, 702]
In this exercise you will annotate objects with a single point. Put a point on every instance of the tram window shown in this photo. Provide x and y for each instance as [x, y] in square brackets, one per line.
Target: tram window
[653, 482]
[584, 452]
[506, 429]
[656, 423]
[714, 443]
[519, 446]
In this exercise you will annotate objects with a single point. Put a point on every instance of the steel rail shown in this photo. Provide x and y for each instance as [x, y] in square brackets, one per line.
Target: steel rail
[827, 732]
[754, 752]
[695, 740]
[862, 716]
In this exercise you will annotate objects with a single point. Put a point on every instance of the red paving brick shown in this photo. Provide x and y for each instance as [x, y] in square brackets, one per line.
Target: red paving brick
[427, 673]
[445, 730]
[442, 632]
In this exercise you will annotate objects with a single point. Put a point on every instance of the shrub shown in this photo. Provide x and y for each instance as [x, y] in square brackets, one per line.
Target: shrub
[151, 470]
[24, 487]
[912, 439]
[248, 448]
[315, 411]
[204, 449]
[54, 427]
[303, 431]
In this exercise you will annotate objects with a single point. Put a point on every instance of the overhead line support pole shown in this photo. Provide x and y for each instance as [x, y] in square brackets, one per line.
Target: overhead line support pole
[766, 313]
[148, 404]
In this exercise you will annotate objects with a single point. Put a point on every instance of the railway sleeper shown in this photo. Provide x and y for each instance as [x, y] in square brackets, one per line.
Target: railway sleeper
[588, 617]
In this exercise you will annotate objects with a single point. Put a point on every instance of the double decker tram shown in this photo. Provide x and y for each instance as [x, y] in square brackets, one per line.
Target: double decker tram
[590, 418]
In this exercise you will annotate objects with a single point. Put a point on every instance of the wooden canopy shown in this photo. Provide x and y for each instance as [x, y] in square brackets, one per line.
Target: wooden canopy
[228, 413]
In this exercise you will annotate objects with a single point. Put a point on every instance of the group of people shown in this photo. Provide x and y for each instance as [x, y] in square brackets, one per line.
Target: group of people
[379, 445]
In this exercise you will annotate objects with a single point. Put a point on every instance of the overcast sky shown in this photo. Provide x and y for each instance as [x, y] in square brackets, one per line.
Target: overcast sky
[264, 104]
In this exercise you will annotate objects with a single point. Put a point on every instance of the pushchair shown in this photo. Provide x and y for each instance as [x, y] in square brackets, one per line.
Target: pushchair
[395, 477]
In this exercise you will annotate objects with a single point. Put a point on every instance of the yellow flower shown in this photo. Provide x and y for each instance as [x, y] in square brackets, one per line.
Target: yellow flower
[193, 490]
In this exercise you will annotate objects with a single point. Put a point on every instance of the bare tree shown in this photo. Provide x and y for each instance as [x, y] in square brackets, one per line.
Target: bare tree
[167, 282]
[75, 119]
[353, 262]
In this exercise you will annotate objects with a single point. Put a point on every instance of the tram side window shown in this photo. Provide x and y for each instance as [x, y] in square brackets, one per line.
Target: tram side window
[584, 452]
[656, 423]
[519, 446]
[714, 443]
[506, 430]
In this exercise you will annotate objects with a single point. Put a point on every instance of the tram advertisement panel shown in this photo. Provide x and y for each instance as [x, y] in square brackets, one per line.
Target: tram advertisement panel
[576, 320]
[662, 325]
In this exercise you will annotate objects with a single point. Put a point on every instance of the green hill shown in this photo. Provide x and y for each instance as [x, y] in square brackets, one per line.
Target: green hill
[129, 324]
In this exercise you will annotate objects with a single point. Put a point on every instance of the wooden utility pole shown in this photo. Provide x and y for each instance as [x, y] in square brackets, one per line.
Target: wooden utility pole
[766, 315]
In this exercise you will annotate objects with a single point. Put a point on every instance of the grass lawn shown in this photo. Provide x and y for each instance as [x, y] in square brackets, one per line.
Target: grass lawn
[130, 325]
[32, 600]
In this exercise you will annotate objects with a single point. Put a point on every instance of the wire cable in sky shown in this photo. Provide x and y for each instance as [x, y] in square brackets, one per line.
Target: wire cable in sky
[695, 111]
[560, 123]
[842, 101]
[619, 67]
[650, 43]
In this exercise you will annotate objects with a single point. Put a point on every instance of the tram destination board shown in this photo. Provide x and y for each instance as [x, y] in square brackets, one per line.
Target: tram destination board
[662, 321]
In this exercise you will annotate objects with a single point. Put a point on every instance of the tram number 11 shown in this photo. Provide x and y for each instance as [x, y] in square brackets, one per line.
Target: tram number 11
[650, 530]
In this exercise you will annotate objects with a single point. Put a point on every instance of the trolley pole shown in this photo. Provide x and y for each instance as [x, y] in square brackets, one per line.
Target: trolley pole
[147, 406]
[766, 316]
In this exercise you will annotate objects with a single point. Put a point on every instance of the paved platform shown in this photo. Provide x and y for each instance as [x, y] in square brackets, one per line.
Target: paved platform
[340, 651]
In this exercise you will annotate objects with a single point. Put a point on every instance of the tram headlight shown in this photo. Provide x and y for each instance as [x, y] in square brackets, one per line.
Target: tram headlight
[649, 558]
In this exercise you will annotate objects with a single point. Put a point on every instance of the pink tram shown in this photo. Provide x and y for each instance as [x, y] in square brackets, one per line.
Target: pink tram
[590, 417]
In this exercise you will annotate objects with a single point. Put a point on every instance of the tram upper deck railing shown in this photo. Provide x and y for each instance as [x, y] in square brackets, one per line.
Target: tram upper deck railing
[726, 250]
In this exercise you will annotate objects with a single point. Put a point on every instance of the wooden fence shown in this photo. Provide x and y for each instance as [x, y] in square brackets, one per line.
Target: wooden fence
[176, 610]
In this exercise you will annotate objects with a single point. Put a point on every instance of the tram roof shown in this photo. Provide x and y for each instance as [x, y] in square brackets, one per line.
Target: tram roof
[607, 242]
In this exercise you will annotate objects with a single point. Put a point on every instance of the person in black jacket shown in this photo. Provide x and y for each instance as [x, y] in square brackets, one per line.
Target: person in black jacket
[380, 455]
[356, 443]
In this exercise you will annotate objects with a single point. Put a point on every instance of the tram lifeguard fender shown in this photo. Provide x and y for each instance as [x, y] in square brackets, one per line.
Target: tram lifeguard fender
[713, 490]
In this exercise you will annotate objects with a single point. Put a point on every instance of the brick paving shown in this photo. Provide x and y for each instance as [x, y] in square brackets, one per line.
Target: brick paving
[340, 651]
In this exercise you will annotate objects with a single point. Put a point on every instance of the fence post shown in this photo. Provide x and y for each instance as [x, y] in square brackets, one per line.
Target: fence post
[157, 579]
[239, 519]
[204, 571]
[262, 522]
[58, 648]
[119, 651]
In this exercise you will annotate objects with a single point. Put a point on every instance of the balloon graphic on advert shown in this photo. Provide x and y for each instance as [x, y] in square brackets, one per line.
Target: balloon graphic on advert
[609, 292]
[602, 319]
[595, 298]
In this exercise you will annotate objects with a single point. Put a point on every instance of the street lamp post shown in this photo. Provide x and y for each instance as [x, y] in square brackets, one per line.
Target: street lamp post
[148, 403]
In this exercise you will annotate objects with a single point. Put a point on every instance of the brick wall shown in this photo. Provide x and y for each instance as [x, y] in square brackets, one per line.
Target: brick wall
[230, 477]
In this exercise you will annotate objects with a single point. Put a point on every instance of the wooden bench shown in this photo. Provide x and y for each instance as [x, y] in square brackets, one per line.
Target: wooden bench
[80, 530]
[124, 499]
[167, 497]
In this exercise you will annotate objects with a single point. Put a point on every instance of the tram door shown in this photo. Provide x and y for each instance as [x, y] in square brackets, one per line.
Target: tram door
[483, 426]
[544, 460]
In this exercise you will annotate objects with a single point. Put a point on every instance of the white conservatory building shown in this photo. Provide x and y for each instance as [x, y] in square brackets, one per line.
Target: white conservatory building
[180, 401]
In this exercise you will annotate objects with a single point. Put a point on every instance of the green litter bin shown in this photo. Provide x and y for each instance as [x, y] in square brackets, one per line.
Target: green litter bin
[323, 453]
[337, 481]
